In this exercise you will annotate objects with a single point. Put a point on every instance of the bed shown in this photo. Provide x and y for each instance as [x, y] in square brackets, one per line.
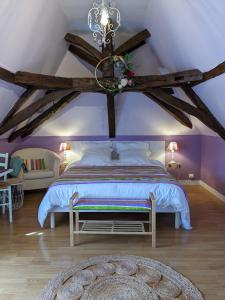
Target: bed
[140, 171]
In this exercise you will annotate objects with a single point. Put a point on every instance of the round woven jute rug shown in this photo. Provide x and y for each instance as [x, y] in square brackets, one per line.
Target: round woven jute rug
[120, 278]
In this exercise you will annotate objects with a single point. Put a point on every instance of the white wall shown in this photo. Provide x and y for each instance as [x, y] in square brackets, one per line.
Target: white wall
[32, 39]
[190, 34]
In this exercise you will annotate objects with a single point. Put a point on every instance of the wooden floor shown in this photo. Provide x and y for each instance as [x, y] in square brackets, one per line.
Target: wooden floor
[30, 256]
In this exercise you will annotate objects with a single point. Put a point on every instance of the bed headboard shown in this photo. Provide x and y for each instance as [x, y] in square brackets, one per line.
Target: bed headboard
[157, 149]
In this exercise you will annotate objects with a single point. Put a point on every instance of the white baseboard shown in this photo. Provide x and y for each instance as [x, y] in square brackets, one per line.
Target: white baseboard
[190, 182]
[212, 190]
[204, 185]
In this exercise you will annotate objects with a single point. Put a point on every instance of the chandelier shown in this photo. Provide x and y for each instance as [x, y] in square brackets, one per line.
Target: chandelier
[104, 20]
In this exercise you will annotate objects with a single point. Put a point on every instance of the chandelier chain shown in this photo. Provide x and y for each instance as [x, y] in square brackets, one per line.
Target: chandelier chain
[103, 20]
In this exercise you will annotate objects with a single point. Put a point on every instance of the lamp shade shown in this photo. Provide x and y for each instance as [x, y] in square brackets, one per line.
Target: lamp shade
[64, 147]
[173, 146]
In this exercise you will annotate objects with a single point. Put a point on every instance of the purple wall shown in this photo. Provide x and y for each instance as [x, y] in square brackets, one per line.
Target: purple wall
[189, 154]
[213, 162]
[202, 155]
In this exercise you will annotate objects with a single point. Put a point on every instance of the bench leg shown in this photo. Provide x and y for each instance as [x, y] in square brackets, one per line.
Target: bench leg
[152, 215]
[153, 230]
[71, 228]
[71, 214]
[177, 220]
[77, 227]
[52, 220]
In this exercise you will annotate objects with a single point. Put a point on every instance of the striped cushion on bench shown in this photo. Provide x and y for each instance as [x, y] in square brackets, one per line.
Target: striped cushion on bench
[108, 204]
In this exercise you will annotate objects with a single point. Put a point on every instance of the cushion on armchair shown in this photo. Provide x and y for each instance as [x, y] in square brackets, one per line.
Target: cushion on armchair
[39, 174]
[16, 163]
[35, 164]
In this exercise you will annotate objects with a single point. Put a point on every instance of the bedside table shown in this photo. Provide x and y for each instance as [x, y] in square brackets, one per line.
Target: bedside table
[174, 168]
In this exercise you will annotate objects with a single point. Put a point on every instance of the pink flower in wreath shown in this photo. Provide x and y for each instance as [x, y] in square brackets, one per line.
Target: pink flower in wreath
[130, 82]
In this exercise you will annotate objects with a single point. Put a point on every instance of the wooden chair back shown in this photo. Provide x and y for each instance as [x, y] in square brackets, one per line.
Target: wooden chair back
[4, 160]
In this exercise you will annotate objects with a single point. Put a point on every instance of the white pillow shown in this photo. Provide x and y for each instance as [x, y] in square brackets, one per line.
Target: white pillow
[73, 156]
[78, 149]
[95, 157]
[121, 146]
[134, 157]
[82, 146]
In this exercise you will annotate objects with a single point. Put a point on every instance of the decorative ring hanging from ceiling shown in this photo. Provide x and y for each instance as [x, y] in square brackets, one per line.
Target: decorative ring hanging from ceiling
[123, 74]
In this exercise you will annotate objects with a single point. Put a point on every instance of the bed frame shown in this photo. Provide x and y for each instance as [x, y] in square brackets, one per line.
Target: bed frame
[157, 153]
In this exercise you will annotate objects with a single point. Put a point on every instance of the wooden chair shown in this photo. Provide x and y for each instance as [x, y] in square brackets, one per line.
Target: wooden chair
[5, 188]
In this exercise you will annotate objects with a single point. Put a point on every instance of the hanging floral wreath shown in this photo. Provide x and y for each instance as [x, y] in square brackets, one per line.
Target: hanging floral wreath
[124, 74]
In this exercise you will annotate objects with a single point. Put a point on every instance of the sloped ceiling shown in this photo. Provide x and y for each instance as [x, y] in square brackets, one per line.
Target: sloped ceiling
[190, 34]
[185, 35]
[31, 38]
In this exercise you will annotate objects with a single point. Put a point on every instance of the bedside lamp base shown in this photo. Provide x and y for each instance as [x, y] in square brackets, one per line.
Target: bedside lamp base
[172, 162]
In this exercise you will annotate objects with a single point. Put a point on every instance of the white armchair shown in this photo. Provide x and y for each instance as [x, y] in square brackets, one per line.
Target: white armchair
[34, 180]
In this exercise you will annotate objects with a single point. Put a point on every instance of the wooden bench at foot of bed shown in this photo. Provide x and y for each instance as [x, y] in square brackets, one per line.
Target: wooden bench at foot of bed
[113, 227]
[158, 209]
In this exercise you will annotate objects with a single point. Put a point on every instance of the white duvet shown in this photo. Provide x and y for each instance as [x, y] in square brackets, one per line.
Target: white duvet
[165, 194]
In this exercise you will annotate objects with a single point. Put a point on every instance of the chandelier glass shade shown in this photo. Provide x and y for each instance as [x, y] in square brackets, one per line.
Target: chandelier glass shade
[103, 20]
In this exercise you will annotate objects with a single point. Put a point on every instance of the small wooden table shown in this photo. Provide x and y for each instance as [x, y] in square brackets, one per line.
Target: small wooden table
[17, 192]
[175, 169]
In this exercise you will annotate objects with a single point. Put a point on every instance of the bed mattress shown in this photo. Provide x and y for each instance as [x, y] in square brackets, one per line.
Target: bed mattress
[117, 182]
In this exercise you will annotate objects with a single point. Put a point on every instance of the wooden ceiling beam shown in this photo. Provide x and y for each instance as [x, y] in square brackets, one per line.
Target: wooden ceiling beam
[108, 72]
[90, 85]
[174, 112]
[189, 109]
[167, 80]
[41, 81]
[33, 108]
[83, 55]
[7, 75]
[29, 128]
[169, 91]
[111, 115]
[215, 72]
[78, 41]
[195, 99]
[175, 102]
[24, 97]
[198, 102]
[38, 121]
[158, 87]
[133, 43]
